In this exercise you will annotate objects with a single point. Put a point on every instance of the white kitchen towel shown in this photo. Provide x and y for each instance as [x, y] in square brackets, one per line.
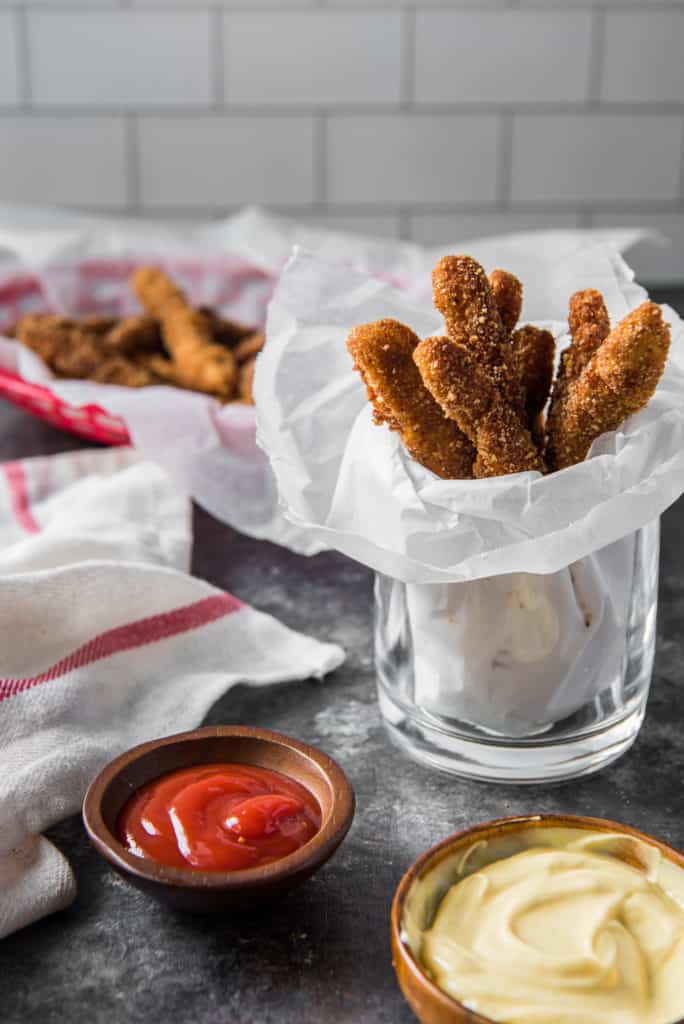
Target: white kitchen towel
[105, 641]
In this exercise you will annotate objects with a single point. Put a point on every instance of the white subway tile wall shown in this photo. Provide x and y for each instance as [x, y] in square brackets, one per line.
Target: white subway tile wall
[435, 120]
[77, 161]
[195, 160]
[643, 57]
[322, 58]
[119, 58]
[502, 57]
[595, 158]
[412, 159]
[9, 60]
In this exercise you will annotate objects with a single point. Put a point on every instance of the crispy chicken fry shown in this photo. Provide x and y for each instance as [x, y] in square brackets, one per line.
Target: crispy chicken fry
[72, 350]
[507, 292]
[246, 380]
[383, 355]
[617, 382]
[589, 327]
[134, 334]
[201, 364]
[98, 324]
[463, 296]
[249, 347]
[469, 397]
[120, 370]
[61, 343]
[159, 367]
[226, 332]
[533, 355]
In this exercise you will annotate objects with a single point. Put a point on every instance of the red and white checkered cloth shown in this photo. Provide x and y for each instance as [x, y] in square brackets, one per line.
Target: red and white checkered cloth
[105, 641]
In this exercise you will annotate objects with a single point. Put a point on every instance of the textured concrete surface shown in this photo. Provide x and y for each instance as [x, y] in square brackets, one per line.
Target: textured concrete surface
[323, 953]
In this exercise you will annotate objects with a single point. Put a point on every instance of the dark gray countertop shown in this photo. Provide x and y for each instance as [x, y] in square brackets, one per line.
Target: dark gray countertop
[323, 954]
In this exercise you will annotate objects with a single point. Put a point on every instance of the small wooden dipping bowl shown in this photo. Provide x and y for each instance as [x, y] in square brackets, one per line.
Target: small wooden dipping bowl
[209, 891]
[415, 898]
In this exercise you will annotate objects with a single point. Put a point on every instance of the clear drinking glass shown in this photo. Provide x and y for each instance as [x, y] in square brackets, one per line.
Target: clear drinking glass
[521, 678]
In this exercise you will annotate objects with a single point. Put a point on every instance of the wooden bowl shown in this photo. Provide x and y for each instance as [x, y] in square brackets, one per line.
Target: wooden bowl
[187, 888]
[429, 1003]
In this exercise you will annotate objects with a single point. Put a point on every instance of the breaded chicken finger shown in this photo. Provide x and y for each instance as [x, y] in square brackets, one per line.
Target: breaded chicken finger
[200, 363]
[249, 347]
[246, 381]
[617, 382]
[61, 343]
[468, 396]
[589, 327]
[383, 355]
[463, 295]
[533, 356]
[133, 334]
[507, 292]
[224, 331]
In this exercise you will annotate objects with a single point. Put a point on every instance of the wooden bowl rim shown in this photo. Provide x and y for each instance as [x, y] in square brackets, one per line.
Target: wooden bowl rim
[314, 853]
[452, 1008]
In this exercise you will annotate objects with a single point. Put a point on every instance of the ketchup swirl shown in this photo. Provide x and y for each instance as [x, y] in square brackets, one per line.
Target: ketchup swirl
[218, 817]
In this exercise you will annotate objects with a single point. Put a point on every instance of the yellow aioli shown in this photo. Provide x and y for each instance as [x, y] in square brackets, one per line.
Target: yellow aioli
[551, 936]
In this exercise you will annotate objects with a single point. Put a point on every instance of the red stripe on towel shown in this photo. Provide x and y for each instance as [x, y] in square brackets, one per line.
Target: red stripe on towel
[18, 491]
[125, 638]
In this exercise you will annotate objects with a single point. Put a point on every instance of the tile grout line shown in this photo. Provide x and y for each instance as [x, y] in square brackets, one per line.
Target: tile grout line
[667, 109]
[218, 23]
[24, 91]
[407, 58]
[681, 165]
[627, 6]
[596, 58]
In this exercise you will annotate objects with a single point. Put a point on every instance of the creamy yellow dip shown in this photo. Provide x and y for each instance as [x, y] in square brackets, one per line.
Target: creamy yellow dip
[560, 936]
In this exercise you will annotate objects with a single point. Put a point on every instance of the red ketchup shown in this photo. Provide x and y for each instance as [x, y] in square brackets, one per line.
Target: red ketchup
[218, 817]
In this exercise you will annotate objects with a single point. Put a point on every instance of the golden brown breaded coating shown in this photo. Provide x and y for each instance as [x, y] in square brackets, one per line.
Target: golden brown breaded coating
[71, 350]
[155, 291]
[120, 370]
[383, 355]
[225, 331]
[463, 296]
[618, 381]
[159, 367]
[61, 343]
[249, 347]
[467, 394]
[201, 364]
[134, 334]
[508, 297]
[97, 323]
[589, 327]
[246, 381]
[533, 356]
[587, 307]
